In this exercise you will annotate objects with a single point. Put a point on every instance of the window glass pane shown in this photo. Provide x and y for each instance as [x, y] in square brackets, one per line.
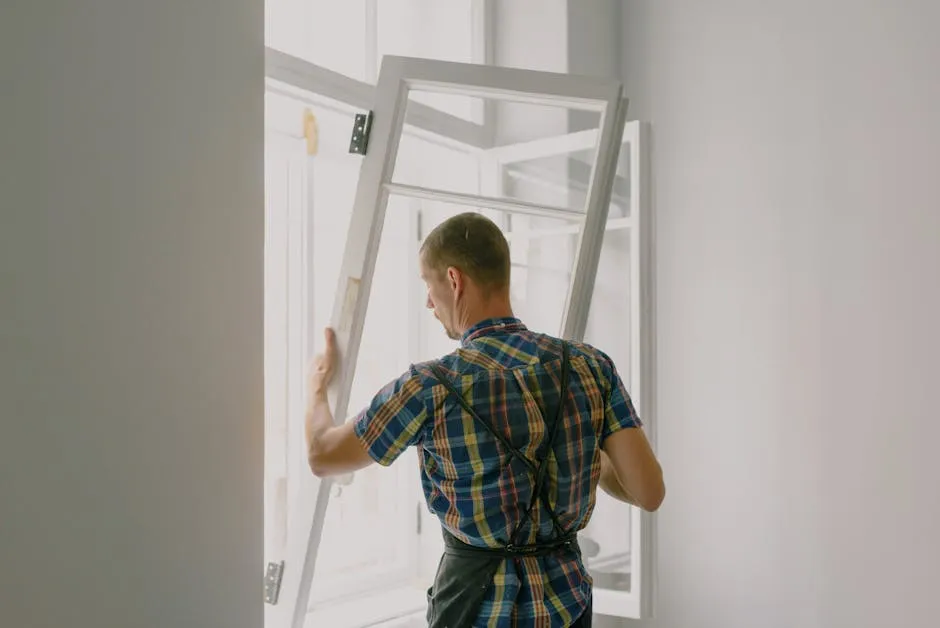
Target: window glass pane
[543, 167]
[328, 33]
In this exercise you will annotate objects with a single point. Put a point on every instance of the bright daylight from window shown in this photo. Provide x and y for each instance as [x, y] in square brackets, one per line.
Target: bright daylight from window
[370, 540]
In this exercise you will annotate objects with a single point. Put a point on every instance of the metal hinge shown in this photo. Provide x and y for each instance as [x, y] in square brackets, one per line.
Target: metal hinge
[360, 135]
[272, 582]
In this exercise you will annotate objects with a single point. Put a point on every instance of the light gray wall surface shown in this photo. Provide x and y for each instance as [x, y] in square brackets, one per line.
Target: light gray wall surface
[131, 235]
[797, 256]
[794, 152]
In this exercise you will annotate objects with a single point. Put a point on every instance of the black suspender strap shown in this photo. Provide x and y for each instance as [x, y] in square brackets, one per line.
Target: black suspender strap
[540, 488]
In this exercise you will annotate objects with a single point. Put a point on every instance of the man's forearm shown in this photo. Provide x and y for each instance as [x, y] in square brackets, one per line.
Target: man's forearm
[611, 484]
[319, 419]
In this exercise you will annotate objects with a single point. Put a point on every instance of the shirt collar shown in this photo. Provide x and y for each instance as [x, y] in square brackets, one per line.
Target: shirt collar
[492, 325]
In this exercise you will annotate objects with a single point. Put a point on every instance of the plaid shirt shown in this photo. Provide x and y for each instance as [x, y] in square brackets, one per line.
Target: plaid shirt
[510, 376]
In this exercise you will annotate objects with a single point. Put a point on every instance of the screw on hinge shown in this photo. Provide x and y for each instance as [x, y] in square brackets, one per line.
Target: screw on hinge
[272, 582]
[360, 135]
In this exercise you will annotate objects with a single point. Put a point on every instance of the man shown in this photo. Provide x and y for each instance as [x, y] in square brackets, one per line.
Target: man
[515, 431]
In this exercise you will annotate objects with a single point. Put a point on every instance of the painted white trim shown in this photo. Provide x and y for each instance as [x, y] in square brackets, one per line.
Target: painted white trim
[321, 102]
[300, 73]
[297, 73]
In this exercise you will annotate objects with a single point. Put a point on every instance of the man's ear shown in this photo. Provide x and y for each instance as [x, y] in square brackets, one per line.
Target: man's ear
[456, 280]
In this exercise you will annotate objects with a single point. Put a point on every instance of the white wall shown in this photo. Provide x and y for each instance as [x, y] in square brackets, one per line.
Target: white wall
[794, 161]
[131, 313]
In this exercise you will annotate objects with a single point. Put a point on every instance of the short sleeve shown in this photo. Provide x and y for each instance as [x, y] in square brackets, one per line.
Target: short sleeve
[619, 412]
[393, 420]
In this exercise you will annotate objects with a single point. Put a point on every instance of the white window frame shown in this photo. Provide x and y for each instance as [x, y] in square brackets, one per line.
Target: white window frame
[307, 82]
[400, 75]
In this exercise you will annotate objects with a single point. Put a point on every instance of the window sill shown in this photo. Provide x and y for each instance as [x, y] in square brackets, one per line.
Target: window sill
[388, 608]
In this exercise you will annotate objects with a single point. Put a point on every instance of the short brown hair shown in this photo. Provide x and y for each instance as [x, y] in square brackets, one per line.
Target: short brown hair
[472, 243]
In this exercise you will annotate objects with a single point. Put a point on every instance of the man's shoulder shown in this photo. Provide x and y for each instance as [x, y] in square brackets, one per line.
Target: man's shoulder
[576, 349]
[517, 350]
[452, 365]
[591, 354]
[589, 363]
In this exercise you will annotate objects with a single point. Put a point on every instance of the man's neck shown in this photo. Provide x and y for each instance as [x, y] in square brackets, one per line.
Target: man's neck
[489, 313]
